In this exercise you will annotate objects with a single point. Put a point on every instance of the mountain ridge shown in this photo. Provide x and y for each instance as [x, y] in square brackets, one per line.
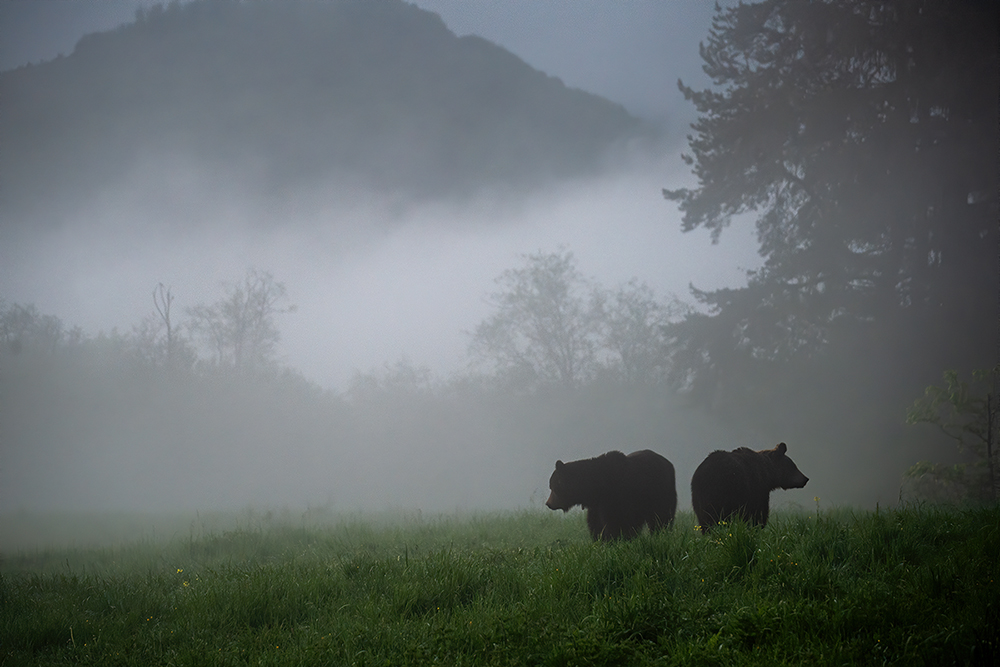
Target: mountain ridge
[379, 93]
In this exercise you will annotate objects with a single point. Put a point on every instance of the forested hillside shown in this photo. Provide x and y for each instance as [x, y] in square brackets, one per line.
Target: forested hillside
[276, 97]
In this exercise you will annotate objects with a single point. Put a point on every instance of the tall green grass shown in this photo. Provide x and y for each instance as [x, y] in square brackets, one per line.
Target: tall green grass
[917, 586]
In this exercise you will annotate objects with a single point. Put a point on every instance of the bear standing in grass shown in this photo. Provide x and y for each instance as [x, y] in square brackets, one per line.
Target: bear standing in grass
[740, 482]
[620, 493]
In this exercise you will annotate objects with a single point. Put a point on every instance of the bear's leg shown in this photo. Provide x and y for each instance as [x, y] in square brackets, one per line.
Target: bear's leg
[630, 523]
[631, 531]
[754, 511]
[608, 525]
[616, 528]
[708, 517]
[662, 517]
[761, 511]
[595, 522]
[702, 518]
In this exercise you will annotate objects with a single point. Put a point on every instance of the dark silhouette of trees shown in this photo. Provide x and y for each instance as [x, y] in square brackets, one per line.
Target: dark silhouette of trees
[553, 326]
[240, 329]
[163, 299]
[862, 139]
[546, 325]
[158, 340]
[965, 412]
[24, 329]
[634, 332]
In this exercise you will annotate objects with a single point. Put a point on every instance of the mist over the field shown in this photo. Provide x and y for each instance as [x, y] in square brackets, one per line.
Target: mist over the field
[374, 285]
[380, 168]
[388, 260]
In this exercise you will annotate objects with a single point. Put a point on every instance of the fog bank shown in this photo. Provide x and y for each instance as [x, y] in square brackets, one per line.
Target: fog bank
[374, 280]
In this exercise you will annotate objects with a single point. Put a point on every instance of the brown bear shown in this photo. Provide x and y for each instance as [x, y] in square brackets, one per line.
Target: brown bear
[620, 493]
[740, 482]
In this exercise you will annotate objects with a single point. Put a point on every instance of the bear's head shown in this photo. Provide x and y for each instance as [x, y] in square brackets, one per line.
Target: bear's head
[785, 473]
[559, 491]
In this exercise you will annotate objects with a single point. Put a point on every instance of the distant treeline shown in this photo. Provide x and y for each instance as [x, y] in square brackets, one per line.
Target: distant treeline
[191, 408]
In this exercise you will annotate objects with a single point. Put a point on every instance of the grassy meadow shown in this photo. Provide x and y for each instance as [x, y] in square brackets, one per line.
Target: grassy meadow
[915, 586]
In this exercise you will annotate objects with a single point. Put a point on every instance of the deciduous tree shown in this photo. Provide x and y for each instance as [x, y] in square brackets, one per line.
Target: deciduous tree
[546, 324]
[240, 329]
[634, 332]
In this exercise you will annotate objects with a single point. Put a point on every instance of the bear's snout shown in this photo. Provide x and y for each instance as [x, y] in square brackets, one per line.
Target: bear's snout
[798, 482]
[555, 503]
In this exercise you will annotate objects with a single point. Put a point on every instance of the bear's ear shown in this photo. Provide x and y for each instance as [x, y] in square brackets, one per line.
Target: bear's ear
[559, 464]
[781, 448]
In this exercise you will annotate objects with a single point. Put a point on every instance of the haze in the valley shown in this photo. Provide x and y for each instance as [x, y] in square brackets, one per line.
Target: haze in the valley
[385, 164]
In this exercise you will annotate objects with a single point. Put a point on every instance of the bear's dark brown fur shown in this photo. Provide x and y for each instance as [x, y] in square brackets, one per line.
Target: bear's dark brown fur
[740, 482]
[620, 493]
